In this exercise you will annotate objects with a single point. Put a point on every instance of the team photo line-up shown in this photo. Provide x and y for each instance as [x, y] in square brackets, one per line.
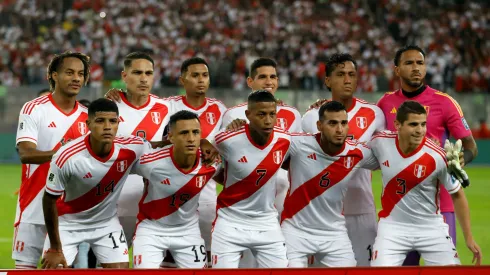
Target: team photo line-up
[135, 170]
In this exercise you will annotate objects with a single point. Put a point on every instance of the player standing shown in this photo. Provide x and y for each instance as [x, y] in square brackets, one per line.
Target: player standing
[195, 80]
[140, 114]
[322, 168]
[168, 212]
[364, 120]
[444, 117]
[413, 168]
[88, 175]
[45, 124]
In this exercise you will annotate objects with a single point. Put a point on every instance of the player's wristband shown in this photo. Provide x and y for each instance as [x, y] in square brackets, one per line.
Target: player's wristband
[52, 250]
[467, 156]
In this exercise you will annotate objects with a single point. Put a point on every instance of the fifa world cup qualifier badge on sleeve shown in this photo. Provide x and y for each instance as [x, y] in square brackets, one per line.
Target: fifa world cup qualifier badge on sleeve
[51, 178]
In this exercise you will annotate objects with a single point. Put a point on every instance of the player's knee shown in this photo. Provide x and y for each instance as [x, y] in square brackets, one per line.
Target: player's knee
[25, 265]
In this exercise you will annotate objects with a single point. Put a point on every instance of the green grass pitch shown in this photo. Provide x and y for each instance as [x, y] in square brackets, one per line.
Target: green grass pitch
[477, 193]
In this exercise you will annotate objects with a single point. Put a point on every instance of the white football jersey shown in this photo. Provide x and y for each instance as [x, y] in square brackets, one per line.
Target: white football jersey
[319, 182]
[210, 116]
[288, 117]
[411, 183]
[44, 124]
[147, 121]
[170, 200]
[247, 199]
[90, 185]
[364, 120]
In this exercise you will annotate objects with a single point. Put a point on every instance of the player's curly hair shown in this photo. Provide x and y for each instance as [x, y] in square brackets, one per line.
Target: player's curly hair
[338, 58]
[55, 64]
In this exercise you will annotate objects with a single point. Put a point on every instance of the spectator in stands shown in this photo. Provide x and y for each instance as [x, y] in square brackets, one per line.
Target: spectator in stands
[482, 132]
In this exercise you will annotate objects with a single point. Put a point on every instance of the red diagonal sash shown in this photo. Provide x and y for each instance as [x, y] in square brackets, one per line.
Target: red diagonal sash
[405, 181]
[360, 122]
[151, 122]
[92, 198]
[317, 185]
[287, 117]
[248, 186]
[160, 208]
[31, 186]
[209, 120]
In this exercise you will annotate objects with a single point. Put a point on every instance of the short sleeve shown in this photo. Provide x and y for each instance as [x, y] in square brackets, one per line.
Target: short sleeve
[308, 123]
[451, 184]
[55, 183]
[28, 128]
[369, 160]
[455, 121]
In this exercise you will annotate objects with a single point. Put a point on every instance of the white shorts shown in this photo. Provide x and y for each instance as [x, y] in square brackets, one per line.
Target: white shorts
[394, 242]
[28, 242]
[207, 214]
[127, 205]
[362, 232]
[331, 253]
[108, 244]
[149, 250]
[268, 247]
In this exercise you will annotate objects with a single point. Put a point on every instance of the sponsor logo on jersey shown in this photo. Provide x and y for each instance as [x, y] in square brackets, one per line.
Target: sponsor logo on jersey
[51, 177]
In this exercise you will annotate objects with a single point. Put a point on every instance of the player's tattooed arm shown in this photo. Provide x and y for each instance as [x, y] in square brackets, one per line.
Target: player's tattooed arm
[469, 152]
[236, 124]
[209, 153]
[463, 215]
[285, 164]
[54, 257]
[220, 177]
[30, 155]
[318, 103]
[160, 144]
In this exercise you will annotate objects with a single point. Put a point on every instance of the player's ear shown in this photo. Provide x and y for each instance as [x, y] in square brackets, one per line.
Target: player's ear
[327, 81]
[398, 125]
[319, 126]
[397, 71]
[181, 80]
[123, 75]
[250, 81]
[247, 114]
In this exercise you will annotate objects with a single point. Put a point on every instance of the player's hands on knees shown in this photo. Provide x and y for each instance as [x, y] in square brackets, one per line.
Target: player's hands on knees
[318, 103]
[236, 124]
[53, 259]
[475, 249]
[113, 94]
[209, 154]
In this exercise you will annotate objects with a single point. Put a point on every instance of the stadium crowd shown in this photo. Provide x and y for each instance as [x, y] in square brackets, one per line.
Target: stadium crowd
[300, 35]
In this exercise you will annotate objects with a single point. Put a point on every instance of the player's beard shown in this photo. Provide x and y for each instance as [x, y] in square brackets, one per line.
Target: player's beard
[413, 84]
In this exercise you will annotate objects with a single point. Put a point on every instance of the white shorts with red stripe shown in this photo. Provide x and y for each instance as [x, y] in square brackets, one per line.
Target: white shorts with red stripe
[230, 242]
[28, 243]
[394, 242]
[108, 244]
[334, 252]
[149, 250]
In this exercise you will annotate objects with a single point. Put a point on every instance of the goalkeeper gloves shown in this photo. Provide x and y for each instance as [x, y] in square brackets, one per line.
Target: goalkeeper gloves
[452, 156]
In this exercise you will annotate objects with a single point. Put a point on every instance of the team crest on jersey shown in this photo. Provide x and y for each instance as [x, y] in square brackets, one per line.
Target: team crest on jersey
[82, 128]
[419, 170]
[21, 126]
[200, 181]
[155, 117]
[277, 156]
[210, 118]
[348, 162]
[282, 123]
[361, 122]
[122, 165]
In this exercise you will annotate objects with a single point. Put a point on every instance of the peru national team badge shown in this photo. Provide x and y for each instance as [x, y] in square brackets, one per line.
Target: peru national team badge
[155, 117]
[348, 162]
[419, 170]
[361, 122]
[82, 128]
[277, 155]
[210, 118]
[122, 165]
[282, 123]
[200, 181]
